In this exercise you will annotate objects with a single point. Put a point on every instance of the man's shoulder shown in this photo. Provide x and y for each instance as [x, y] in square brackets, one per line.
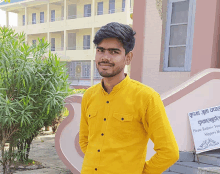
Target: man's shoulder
[142, 88]
[91, 89]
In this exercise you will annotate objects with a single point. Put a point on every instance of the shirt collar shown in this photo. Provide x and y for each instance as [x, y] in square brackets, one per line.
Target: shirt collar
[117, 87]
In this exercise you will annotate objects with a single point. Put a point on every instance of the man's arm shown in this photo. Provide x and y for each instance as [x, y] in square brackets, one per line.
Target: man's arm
[160, 132]
[84, 131]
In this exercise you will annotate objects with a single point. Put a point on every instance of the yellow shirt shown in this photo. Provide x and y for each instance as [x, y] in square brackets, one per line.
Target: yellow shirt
[115, 129]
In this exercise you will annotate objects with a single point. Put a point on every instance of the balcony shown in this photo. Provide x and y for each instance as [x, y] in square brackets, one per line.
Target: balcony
[79, 53]
[60, 53]
[78, 21]
[116, 15]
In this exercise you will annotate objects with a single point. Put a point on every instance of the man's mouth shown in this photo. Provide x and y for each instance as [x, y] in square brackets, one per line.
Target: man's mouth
[105, 64]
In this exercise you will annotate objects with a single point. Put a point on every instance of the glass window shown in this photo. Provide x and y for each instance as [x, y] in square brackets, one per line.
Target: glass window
[72, 70]
[87, 10]
[96, 72]
[123, 5]
[41, 17]
[33, 18]
[86, 42]
[86, 69]
[100, 8]
[23, 21]
[52, 44]
[52, 15]
[180, 23]
[111, 6]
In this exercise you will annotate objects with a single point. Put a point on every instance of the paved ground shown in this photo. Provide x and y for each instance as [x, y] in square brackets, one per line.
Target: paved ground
[45, 153]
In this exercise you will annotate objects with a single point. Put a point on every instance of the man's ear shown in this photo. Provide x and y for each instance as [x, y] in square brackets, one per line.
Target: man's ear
[128, 58]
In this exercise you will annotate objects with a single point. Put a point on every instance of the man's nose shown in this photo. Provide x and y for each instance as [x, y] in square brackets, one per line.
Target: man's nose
[106, 56]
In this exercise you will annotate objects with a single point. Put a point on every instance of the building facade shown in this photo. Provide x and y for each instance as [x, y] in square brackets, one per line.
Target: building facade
[69, 26]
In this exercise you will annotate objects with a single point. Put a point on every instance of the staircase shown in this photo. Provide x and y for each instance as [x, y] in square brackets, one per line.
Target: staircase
[203, 163]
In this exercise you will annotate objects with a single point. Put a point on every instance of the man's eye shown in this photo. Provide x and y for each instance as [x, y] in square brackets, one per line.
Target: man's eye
[114, 52]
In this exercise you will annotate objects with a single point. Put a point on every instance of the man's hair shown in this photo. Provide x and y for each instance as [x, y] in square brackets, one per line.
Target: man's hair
[124, 33]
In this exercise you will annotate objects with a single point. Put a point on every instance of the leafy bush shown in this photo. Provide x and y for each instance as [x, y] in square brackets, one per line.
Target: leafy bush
[33, 86]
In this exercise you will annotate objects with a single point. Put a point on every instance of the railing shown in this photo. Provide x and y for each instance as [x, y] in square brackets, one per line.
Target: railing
[57, 19]
[78, 48]
[36, 22]
[57, 49]
[79, 16]
[117, 10]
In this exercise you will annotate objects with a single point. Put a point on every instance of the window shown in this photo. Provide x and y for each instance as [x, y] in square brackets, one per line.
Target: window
[179, 35]
[23, 21]
[52, 15]
[100, 8]
[33, 42]
[123, 5]
[71, 41]
[72, 9]
[86, 69]
[111, 6]
[96, 73]
[87, 10]
[72, 69]
[86, 42]
[52, 44]
[41, 17]
[33, 18]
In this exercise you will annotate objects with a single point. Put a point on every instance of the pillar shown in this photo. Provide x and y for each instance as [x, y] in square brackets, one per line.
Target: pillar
[91, 42]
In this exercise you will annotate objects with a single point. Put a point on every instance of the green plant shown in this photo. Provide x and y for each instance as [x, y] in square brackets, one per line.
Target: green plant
[33, 86]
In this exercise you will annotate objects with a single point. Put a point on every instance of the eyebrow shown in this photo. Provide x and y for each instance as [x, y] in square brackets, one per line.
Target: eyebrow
[110, 49]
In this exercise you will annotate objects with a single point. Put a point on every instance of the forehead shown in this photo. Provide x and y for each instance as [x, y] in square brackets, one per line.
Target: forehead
[110, 43]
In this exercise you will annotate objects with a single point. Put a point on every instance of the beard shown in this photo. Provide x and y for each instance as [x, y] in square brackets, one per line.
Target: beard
[104, 73]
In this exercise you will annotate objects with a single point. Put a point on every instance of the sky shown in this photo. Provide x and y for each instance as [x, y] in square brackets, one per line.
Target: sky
[12, 18]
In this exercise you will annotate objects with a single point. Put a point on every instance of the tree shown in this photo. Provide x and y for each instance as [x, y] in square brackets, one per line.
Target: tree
[33, 87]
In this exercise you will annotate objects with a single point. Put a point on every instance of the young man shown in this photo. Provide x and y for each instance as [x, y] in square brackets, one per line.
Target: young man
[119, 115]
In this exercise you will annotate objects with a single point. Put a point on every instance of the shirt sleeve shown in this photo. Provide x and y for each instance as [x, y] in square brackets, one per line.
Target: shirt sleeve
[160, 132]
[83, 132]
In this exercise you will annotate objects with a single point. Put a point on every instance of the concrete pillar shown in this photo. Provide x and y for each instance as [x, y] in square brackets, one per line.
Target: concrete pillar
[48, 14]
[26, 17]
[127, 11]
[65, 43]
[7, 19]
[48, 40]
[26, 38]
[91, 41]
[65, 12]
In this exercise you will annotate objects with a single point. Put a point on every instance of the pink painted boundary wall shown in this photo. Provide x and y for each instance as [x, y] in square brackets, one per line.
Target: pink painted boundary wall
[200, 92]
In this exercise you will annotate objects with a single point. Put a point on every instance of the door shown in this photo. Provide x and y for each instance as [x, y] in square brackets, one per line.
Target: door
[72, 11]
[71, 41]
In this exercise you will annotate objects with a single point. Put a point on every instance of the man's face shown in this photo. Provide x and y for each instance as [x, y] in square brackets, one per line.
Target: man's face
[110, 57]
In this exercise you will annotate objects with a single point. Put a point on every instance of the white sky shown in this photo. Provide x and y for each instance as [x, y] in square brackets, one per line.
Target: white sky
[13, 18]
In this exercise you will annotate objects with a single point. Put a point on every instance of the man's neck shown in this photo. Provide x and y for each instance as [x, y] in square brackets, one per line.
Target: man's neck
[110, 82]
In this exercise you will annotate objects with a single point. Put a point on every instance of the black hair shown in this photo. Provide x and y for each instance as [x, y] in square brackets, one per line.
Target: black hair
[124, 33]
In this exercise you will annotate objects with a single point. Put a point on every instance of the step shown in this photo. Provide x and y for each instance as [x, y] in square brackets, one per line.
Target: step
[209, 170]
[210, 157]
[189, 167]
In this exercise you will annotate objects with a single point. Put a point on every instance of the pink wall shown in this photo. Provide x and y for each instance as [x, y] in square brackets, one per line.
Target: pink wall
[206, 36]
[139, 27]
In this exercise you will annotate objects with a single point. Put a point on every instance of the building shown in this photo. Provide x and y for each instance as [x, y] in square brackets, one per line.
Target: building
[69, 26]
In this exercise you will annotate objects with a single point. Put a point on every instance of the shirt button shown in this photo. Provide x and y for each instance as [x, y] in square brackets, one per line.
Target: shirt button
[98, 150]
[104, 119]
[89, 115]
[102, 134]
[122, 118]
[107, 102]
[96, 169]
